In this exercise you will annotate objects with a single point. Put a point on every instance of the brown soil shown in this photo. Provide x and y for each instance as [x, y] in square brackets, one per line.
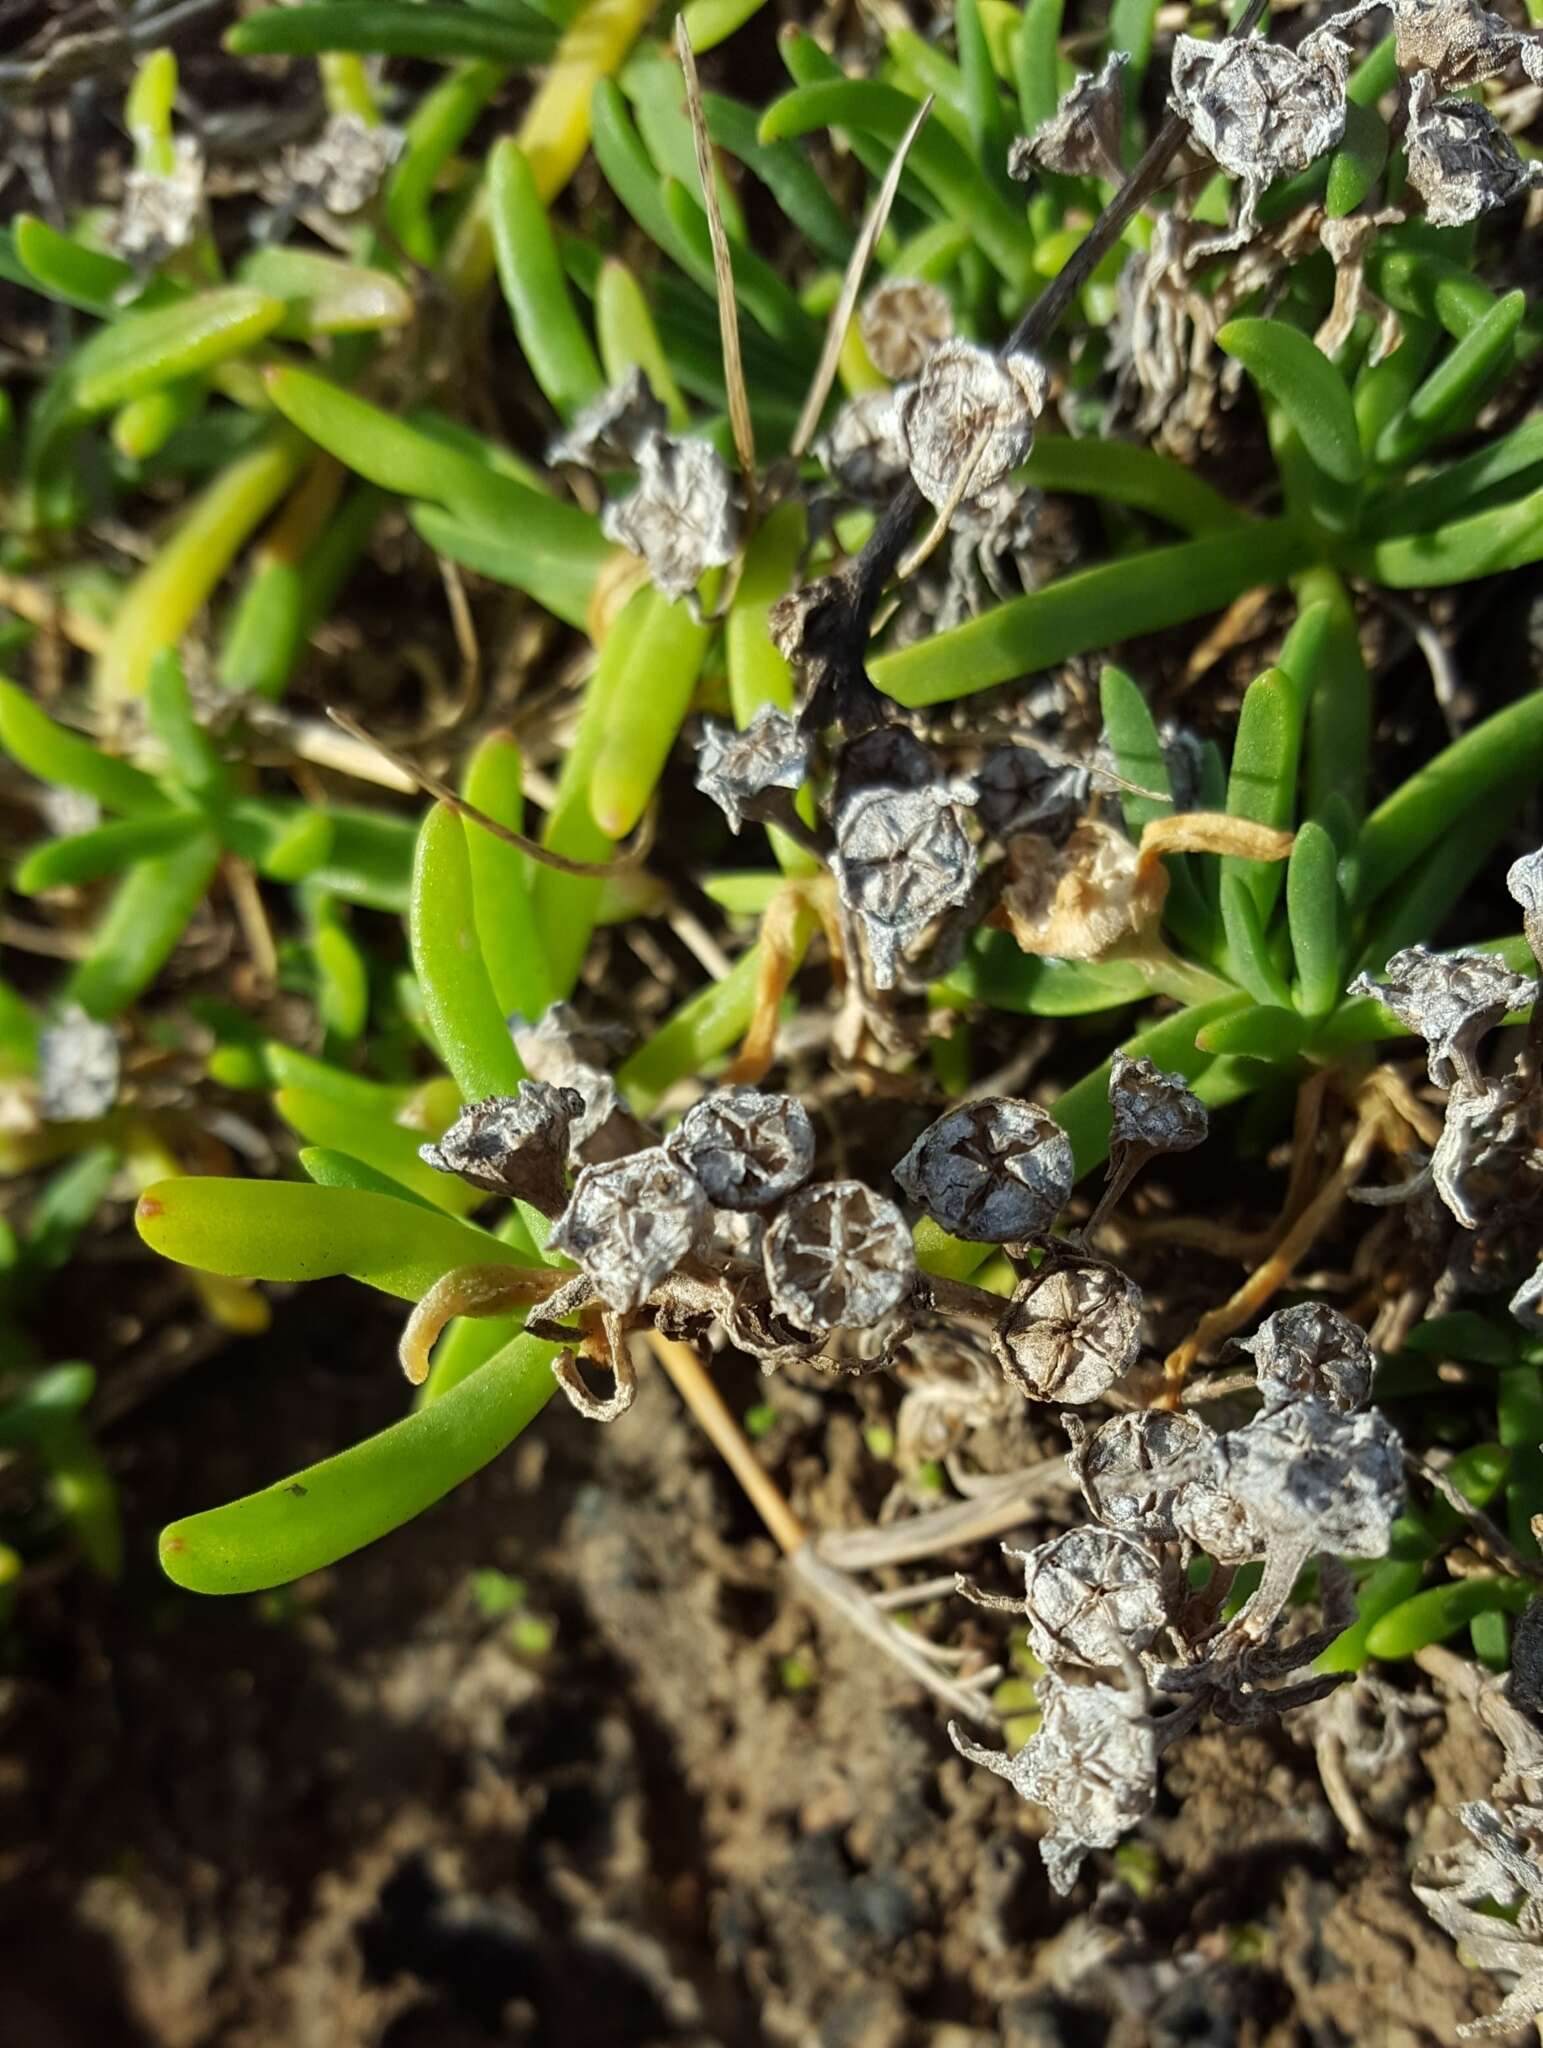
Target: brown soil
[357, 1817]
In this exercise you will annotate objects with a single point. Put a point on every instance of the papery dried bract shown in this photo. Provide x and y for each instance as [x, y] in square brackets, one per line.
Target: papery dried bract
[1461, 161]
[515, 1145]
[79, 1066]
[1070, 1331]
[683, 518]
[341, 170]
[1452, 1000]
[1311, 1349]
[1259, 110]
[1088, 1593]
[902, 321]
[739, 769]
[969, 409]
[1092, 1763]
[1082, 900]
[838, 1257]
[748, 1148]
[997, 1171]
[1082, 137]
[630, 1223]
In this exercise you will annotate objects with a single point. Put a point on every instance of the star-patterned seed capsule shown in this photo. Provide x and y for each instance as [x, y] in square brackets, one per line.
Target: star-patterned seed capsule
[79, 1067]
[969, 409]
[1131, 1468]
[1311, 1349]
[902, 855]
[902, 321]
[683, 518]
[562, 1048]
[515, 1145]
[1153, 1113]
[997, 1171]
[630, 1223]
[1461, 161]
[341, 170]
[1092, 1764]
[738, 769]
[1457, 42]
[1070, 1331]
[838, 1257]
[607, 433]
[1082, 137]
[1090, 1591]
[749, 1149]
[1259, 110]
[1452, 1000]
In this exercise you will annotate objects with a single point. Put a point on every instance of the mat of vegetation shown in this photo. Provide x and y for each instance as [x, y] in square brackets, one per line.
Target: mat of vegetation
[826, 732]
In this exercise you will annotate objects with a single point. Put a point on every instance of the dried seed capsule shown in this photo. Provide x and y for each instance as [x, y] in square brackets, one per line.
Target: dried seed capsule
[1089, 1592]
[629, 1224]
[1308, 1474]
[902, 322]
[1082, 137]
[969, 409]
[1311, 1349]
[1453, 1000]
[1154, 1112]
[341, 170]
[748, 1149]
[1485, 1161]
[683, 518]
[1070, 1331]
[1020, 791]
[997, 1171]
[1126, 1468]
[562, 1048]
[1092, 1763]
[1259, 110]
[737, 769]
[1524, 880]
[838, 1257]
[78, 1068]
[863, 453]
[1461, 161]
[1460, 43]
[515, 1145]
[606, 434]
[902, 859]
[161, 211]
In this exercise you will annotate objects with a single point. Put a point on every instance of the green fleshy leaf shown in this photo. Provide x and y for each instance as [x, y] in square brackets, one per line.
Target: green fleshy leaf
[464, 1014]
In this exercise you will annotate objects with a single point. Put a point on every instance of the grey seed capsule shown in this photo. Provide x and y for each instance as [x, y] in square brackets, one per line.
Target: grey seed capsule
[1524, 880]
[1311, 1349]
[838, 1257]
[1090, 1591]
[1082, 137]
[683, 518]
[1070, 1331]
[515, 1145]
[749, 1149]
[903, 320]
[607, 433]
[1153, 1111]
[1132, 1468]
[1020, 791]
[863, 453]
[1305, 1473]
[1461, 161]
[342, 169]
[630, 1223]
[997, 1171]
[1453, 1000]
[969, 406]
[738, 769]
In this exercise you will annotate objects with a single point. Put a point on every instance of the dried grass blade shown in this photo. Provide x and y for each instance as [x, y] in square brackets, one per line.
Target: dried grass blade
[723, 265]
[852, 284]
